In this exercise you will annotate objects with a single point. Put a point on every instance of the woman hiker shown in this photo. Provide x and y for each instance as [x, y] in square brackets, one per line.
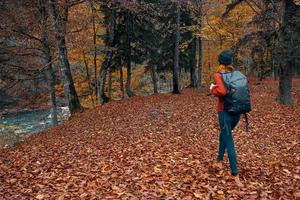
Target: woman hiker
[227, 122]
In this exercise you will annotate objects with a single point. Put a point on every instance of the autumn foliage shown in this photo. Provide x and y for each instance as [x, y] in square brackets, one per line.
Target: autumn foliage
[159, 147]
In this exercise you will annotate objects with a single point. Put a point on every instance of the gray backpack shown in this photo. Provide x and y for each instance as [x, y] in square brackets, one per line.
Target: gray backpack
[237, 99]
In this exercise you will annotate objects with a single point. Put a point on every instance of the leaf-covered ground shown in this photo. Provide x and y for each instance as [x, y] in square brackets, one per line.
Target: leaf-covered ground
[159, 147]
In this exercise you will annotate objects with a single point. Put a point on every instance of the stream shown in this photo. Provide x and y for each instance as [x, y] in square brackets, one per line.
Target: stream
[14, 128]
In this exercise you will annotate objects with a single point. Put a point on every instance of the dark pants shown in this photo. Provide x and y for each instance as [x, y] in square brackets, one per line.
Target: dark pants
[227, 123]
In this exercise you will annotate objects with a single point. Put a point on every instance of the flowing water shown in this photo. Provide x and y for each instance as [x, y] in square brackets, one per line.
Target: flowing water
[14, 128]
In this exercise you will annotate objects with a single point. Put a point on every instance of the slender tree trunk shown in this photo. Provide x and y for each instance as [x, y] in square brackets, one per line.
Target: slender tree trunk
[274, 73]
[261, 71]
[50, 76]
[128, 80]
[154, 79]
[60, 25]
[129, 92]
[95, 47]
[109, 83]
[200, 62]
[102, 77]
[200, 46]
[88, 78]
[122, 82]
[110, 28]
[194, 69]
[176, 77]
[196, 74]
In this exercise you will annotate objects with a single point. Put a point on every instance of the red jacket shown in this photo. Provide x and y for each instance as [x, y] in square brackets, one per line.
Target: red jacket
[219, 89]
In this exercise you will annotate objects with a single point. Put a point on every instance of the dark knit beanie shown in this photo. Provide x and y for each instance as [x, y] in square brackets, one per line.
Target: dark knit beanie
[225, 57]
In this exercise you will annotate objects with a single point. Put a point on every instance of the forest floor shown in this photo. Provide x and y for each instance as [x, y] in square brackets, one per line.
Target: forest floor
[159, 147]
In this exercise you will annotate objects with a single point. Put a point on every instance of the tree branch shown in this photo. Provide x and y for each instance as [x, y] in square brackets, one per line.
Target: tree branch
[27, 35]
[231, 6]
[75, 3]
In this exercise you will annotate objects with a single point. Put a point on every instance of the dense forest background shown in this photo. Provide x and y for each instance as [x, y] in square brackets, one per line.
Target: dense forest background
[80, 53]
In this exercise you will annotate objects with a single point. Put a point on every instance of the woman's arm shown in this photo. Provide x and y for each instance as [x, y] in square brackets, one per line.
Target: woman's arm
[219, 88]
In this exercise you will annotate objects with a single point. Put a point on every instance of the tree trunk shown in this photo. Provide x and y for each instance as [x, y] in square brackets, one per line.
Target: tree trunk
[102, 76]
[109, 83]
[285, 86]
[200, 62]
[121, 82]
[50, 76]
[88, 78]
[200, 48]
[290, 15]
[176, 77]
[95, 47]
[154, 79]
[194, 69]
[129, 92]
[110, 29]
[70, 92]
[60, 25]
[261, 71]
[274, 72]
[51, 86]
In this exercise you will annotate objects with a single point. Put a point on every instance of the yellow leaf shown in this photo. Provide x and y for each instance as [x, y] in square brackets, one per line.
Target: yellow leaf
[40, 196]
[115, 188]
[220, 192]
[198, 195]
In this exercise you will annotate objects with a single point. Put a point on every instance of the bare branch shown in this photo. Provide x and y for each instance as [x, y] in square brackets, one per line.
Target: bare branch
[231, 6]
[75, 3]
[27, 35]
[75, 31]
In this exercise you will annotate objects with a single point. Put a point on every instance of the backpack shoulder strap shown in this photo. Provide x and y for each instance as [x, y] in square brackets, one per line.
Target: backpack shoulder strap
[224, 75]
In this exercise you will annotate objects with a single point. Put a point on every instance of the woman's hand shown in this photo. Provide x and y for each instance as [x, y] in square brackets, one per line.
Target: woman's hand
[212, 86]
